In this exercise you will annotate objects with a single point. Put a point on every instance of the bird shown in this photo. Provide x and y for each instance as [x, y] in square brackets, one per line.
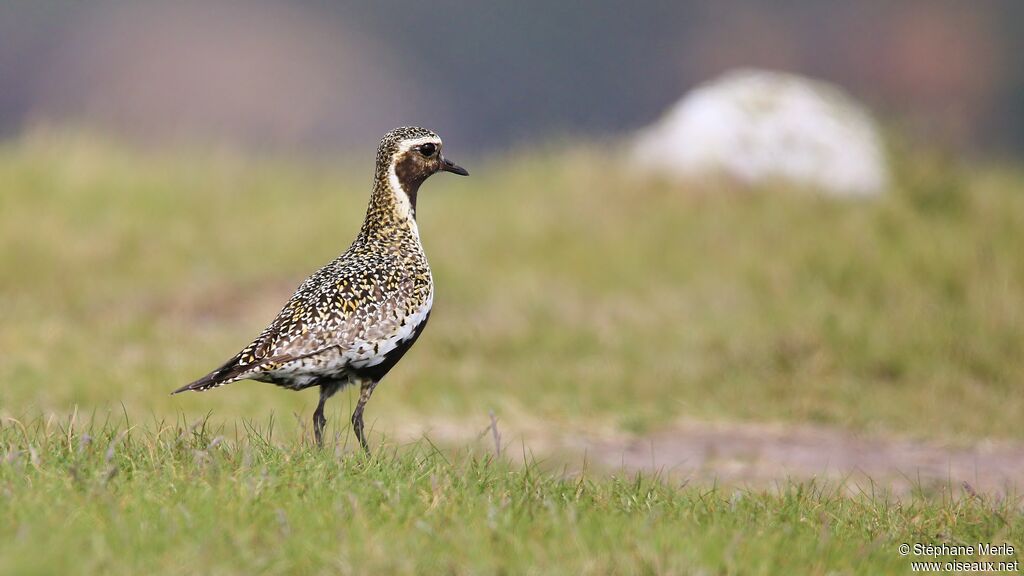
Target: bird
[352, 320]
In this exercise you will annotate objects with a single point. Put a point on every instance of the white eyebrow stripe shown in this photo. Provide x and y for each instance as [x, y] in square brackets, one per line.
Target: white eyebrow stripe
[407, 145]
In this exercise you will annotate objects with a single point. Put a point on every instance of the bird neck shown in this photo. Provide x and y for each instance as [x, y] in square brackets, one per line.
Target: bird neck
[392, 208]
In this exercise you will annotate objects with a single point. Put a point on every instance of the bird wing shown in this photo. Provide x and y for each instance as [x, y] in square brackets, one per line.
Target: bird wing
[349, 311]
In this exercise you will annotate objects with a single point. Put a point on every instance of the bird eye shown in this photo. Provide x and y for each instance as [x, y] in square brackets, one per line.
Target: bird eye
[428, 149]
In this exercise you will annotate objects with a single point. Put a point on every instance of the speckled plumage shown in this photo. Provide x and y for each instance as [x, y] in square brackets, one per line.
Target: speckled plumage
[353, 319]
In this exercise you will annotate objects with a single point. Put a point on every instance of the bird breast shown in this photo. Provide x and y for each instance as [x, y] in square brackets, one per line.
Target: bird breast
[378, 343]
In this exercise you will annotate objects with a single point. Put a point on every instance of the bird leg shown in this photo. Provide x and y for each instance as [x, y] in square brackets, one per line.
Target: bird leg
[319, 421]
[327, 390]
[365, 391]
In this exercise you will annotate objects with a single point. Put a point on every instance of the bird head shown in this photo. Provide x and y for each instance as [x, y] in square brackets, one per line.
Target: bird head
[411, 155]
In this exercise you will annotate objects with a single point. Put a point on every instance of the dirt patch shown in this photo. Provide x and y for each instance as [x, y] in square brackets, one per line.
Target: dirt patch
[762, 454]
[759, 455]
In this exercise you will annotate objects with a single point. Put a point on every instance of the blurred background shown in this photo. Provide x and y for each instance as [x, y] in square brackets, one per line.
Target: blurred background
[325, 75]
[169, 172]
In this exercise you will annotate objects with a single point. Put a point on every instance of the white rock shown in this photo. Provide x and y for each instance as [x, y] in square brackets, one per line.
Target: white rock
[760, 126]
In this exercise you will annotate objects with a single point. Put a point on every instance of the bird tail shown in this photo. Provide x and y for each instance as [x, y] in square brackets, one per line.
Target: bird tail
[226, 374]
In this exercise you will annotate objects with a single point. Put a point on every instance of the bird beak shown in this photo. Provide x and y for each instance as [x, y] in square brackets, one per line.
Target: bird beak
[449, 166]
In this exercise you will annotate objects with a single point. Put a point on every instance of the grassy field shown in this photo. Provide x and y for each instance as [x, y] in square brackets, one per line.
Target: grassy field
[175, 499]
[568, 294]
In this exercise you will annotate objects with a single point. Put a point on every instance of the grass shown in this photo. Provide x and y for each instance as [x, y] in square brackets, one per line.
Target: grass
[567, 294]
[93, 496]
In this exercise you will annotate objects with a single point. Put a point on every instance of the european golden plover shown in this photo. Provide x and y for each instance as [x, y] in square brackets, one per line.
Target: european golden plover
[354, 319]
